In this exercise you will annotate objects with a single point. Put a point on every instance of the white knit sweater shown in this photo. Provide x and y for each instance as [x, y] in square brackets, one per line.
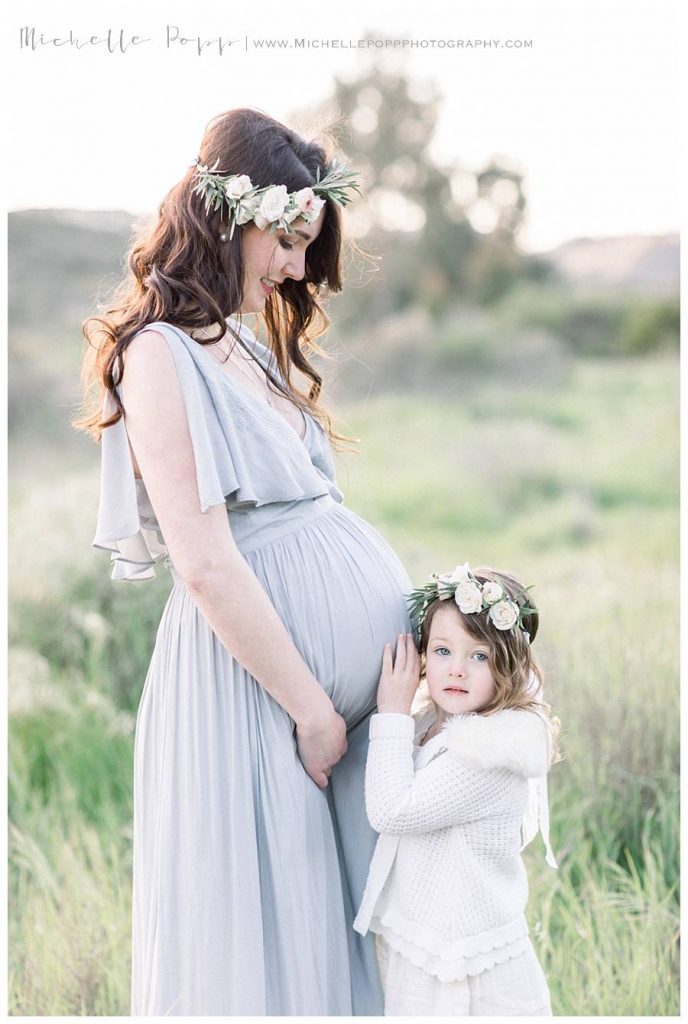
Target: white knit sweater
[446, 886]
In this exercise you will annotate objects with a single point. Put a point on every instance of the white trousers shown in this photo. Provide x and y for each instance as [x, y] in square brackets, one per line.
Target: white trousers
[514, 988]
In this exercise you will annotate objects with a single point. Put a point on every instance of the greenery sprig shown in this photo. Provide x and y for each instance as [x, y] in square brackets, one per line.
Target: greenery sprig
[272, 206]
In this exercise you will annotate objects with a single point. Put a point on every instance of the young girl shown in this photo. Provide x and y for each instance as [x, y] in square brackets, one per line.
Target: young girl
[455, 791]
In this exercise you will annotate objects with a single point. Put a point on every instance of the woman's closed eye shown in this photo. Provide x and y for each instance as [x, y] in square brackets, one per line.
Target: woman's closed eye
[286, 245]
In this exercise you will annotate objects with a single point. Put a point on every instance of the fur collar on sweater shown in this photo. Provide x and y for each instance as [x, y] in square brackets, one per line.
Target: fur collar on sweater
[515, 739]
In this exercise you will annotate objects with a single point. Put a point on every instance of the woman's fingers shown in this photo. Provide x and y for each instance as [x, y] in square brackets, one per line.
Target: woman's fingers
[321, 750]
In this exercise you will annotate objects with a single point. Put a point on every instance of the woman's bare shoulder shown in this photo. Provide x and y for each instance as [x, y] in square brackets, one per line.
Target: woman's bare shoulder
[147, 357]
[146, 342]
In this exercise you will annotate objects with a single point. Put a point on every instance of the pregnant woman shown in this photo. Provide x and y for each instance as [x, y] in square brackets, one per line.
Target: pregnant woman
[251, 844]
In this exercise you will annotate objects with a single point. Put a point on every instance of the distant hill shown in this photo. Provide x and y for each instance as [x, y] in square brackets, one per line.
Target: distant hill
[60, 261]
[645, 263]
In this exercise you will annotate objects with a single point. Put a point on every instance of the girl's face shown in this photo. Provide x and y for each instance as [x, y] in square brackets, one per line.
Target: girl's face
[457, 668]
[270, 258]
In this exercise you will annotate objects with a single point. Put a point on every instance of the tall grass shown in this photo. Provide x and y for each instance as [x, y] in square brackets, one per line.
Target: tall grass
[574, 487]
[607, 935]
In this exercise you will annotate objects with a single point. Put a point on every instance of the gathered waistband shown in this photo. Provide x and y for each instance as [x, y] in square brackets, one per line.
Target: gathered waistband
[257, 527]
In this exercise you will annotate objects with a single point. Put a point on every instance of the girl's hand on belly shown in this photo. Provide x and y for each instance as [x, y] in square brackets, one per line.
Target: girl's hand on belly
[399, 682]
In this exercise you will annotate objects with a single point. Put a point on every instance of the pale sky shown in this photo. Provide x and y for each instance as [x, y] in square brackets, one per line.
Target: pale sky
[589, 112]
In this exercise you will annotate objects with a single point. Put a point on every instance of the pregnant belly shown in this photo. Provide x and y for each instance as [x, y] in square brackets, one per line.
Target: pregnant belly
[339, 588]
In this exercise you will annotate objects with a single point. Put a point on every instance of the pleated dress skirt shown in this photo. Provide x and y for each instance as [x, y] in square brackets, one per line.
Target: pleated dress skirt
[246, 875]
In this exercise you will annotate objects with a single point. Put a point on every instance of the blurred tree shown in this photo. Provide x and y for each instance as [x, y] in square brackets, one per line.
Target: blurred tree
[651, 325]
[446, 233]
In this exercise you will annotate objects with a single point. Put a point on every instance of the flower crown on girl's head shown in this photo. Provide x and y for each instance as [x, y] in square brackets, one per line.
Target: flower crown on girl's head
[272, 206]
[472, 597]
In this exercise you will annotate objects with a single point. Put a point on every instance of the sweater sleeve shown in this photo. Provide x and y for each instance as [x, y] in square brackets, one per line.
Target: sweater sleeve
[446, 792]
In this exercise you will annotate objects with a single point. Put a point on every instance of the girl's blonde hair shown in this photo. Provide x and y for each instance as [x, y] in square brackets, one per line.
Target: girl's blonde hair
[517, 675]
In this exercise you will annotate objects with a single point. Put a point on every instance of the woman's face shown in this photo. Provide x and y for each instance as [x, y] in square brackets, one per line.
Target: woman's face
[270, 258]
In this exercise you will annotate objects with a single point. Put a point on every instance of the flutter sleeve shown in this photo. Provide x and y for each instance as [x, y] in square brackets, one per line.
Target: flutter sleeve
[241, 461]
[133, 540]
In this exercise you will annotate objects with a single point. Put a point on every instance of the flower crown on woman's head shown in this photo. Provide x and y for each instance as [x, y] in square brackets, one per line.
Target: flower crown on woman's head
[272, 206]
[503, 610]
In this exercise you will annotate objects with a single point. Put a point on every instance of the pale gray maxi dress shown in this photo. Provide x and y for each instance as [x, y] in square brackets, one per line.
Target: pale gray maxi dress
[246, 875]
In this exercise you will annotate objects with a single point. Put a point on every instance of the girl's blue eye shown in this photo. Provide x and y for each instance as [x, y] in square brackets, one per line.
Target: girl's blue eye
[442, 650]
[481, 656]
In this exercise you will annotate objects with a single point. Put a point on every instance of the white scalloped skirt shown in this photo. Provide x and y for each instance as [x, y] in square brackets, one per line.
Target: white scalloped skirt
[516, 987]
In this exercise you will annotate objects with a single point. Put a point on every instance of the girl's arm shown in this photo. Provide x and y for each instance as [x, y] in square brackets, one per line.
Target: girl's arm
[208, 561]
[446, 792]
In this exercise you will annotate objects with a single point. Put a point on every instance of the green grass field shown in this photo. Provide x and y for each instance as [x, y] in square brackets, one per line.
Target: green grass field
[573, 487]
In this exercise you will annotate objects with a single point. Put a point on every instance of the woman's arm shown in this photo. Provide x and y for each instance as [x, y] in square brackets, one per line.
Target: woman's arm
[206, 558]
[444, 793]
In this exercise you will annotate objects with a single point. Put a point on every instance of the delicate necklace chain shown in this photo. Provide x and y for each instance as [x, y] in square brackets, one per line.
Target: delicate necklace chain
[262, 379]
[256, 377]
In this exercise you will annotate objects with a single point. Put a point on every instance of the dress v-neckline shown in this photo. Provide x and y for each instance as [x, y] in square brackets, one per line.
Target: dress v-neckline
[255, 346]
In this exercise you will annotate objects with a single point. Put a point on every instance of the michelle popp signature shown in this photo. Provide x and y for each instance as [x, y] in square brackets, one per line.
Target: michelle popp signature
[121, 41]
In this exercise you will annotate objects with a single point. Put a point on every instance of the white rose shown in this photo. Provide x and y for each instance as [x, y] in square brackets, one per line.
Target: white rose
[308, 204]
[468, 597]
[492, 592]
[310, 215]
[291, 214]
[304, 199]
[461, 574]
[246, 209]
[504, 614]
[272, 205]
[237, 186]
[444, 586]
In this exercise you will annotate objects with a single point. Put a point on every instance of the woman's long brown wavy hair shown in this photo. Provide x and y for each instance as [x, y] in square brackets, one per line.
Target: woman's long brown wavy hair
[181, 273]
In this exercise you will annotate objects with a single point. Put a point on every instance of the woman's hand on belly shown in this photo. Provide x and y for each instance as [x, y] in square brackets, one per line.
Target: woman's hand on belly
[321, 743]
